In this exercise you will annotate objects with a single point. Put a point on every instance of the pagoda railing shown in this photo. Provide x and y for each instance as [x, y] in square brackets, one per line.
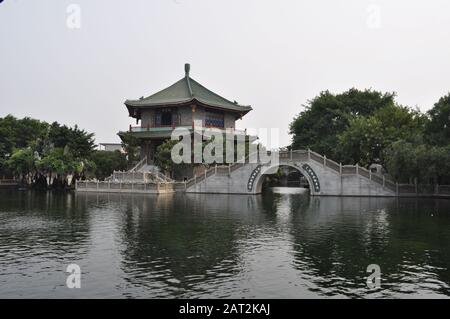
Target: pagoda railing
[141, 163]
[156, 128]
[170, 128]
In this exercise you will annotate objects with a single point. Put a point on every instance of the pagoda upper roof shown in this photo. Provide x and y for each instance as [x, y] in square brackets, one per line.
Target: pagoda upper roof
[185, 91]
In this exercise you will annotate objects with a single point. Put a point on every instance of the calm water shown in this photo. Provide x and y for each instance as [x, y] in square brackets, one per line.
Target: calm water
[280, 244]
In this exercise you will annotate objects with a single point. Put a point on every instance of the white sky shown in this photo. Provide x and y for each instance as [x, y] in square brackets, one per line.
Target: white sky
[273, 55]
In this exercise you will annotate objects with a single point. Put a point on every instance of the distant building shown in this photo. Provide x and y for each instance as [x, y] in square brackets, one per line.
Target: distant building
[178, 106]
[111, 147]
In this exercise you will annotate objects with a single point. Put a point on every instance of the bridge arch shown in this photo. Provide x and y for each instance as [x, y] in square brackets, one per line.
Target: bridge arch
[303, 168]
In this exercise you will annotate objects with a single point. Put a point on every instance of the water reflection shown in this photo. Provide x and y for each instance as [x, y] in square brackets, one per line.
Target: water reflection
[200, 245]
[335, 239]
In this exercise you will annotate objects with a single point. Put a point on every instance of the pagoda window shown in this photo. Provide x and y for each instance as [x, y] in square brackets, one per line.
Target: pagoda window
[163, 117]
[214, 119]
[166, 118]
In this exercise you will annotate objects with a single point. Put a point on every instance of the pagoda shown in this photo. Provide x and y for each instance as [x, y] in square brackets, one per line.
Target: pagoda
[179, 105]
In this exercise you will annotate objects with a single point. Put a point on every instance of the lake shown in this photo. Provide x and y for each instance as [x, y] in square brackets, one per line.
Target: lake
[281, 244]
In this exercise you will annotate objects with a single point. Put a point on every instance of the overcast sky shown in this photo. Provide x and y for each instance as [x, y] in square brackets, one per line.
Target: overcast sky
[273, 55]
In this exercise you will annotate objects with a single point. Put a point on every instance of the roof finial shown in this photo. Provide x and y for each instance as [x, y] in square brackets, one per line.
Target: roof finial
[187, 68]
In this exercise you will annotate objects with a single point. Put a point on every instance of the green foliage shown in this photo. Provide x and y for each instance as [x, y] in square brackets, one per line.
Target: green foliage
[328, 115]
[32, 146]
[88, 168]
[131, 146]
[366, 138]
[60, 161]
[163, 156]
[79, 141]
[407, 161]
[22, 161]
[15, 133]
[107, 162]
[436, 165]
[20, 133]
[368, 127]
[438, 128]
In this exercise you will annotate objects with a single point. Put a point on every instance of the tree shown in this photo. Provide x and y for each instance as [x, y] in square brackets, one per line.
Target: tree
[107, 162]
[427, 164]
[366, 138]
[131, 146]
[163, 156]
[328, 115]
[438, 128]
[6, 146]
[22, 161]
[20, 132]
[79, 141]
[35, 148]
[362, 142]
[403, 160]
[59, 161]
[16, 134]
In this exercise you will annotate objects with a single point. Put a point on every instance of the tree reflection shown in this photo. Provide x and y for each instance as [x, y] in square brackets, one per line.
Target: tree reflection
[29, 217]
[183, 240]
[335, 239]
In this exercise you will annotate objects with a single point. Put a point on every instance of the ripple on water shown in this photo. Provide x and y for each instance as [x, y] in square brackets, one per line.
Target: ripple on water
[273, 246]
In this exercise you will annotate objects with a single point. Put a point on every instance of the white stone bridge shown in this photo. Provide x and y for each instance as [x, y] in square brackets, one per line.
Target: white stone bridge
[325, 177]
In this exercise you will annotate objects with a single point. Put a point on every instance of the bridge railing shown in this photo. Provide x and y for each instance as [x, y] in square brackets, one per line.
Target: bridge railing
[333, 165]
[141, 163]
[135, 186]
[348, 169]
[443, 189]
[300, 155]
[352, 170]
[316, 157]
[8, 182]
[308, 155]
[321, 159]
[220, 170]
[423, 189]
[304, 155]
[127, 176]
[364, 172]
[390, 185]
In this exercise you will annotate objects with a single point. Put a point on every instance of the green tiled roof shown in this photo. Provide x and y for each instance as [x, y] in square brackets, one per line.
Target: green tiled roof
[185, 91]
